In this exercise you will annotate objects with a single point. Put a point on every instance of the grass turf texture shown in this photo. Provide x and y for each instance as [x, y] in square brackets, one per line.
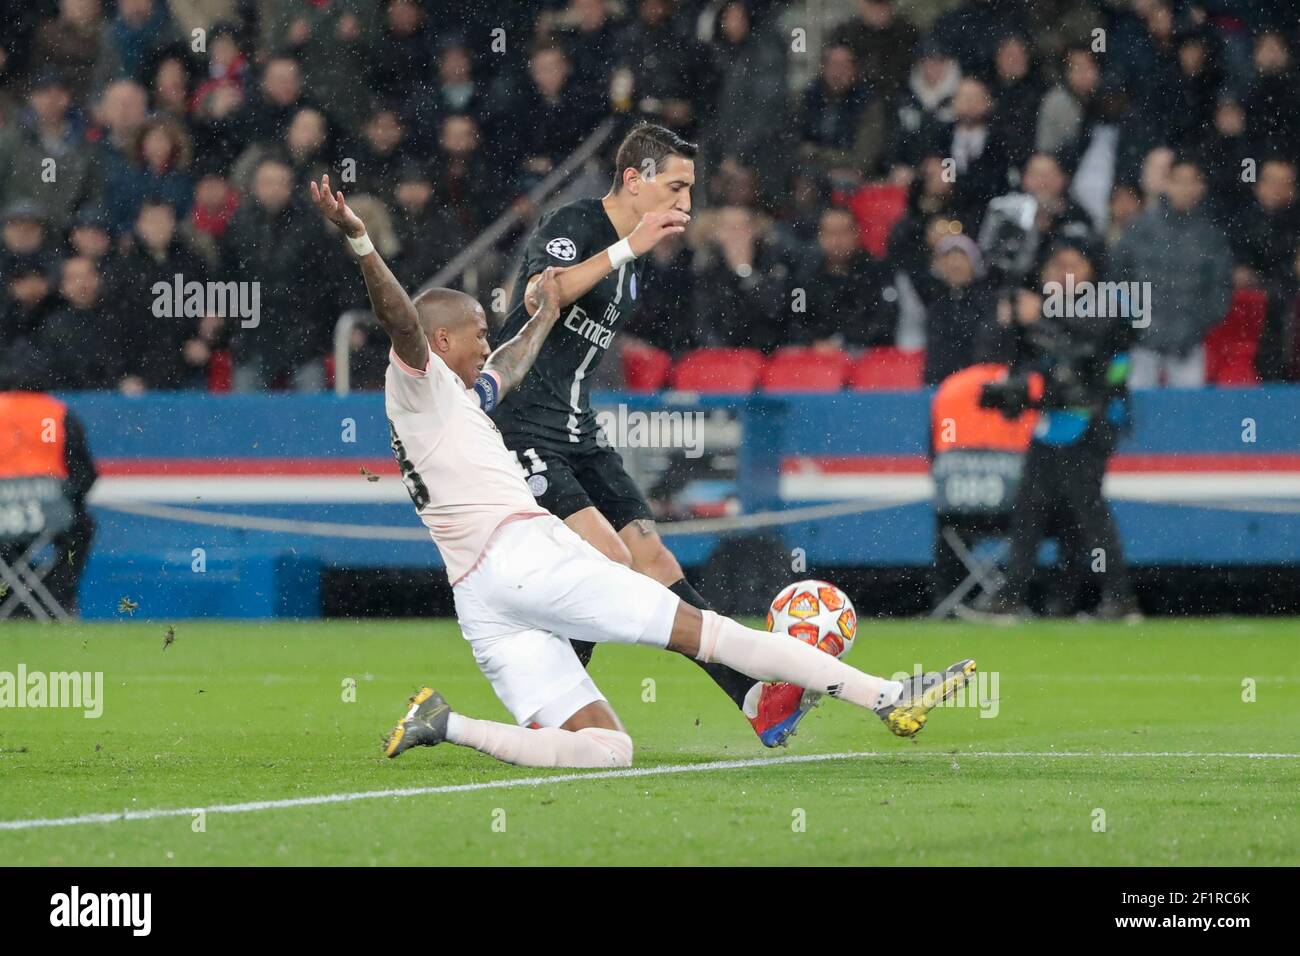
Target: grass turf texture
[231, 713]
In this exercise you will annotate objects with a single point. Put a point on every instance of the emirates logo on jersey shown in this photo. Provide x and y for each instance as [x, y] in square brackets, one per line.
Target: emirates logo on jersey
[562, 249]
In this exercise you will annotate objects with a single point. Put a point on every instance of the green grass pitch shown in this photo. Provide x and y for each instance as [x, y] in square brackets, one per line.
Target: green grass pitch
[1147, 723]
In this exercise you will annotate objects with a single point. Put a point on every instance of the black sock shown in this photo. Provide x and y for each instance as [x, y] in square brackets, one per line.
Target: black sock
[733, 683]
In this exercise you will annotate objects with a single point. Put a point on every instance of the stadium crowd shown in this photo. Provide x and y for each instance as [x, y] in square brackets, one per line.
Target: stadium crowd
[145, 139]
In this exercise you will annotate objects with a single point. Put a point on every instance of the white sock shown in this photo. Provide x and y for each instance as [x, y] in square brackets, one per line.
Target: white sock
[542, 747]
[769, 657]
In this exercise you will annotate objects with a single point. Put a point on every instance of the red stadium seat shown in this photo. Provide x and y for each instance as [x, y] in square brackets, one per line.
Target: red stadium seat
[1230, 347]
[806, 370]
[645, 368]
[887, 369]
[220, 371]
[877, 208]
[733, 371]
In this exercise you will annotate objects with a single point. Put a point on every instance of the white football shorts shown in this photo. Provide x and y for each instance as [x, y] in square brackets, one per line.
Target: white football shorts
[537, 585]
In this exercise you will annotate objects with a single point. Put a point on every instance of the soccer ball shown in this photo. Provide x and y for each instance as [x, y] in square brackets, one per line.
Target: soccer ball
[816, 612]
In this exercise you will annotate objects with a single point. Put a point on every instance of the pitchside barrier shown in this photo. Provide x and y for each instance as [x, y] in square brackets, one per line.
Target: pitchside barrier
[233, 505]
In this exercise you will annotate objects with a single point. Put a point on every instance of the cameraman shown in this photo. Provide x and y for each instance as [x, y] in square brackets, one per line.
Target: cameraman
[1083, 363]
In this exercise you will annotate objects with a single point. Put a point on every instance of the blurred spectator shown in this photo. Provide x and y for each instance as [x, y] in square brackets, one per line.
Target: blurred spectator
[973, 29]
[1062, 112]
[1265, 234]
[960, 304]
[278, 99]
[1264, 238]
[72, 44]
[1125, 206]
[462, 183]
[1198, 82]
[1225, 153]
[808, 194]
[91, 237]
[978, 154]
[138, 30]
[452, 91]
[1148, 62]
[667, 67]
[883, 43]
[44, 156]
[665, 318]
[841, 122]
[931, 214]
[378, 154]
[82, 338]
[24, 229]
[751, 114]
[159, 166]
[1016, 90]
[218, 102]
[849, 298]
[332, 43]
[402, 55]
[1059, 216]
[307, 145]
[278, 243]
[590, 35]
[120, 113]
[743, 284]
[427, 235]
[549, 117]
[28, 297]
[215, 203]
[926, 101]
[170, 86]
[1272, 121]
[160, 355]
[1185, 257]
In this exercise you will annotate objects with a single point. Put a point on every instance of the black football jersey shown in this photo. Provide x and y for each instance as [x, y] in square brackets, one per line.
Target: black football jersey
[552, 402]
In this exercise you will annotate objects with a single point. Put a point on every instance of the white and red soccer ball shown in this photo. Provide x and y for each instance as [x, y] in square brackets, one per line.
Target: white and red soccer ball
[817, 613]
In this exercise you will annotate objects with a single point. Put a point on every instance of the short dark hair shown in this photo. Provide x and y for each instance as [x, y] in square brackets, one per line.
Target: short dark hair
[649, 142]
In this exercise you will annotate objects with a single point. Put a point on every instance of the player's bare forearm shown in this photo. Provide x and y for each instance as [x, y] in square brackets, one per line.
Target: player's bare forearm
[395, 311]
[392, 306]
[512, 360]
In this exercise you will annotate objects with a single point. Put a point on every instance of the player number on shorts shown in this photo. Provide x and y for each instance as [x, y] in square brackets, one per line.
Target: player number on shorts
[530, 462]
[415, 486]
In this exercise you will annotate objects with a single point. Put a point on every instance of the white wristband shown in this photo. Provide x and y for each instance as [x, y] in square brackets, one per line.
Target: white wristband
[362, 246]
[620, 253]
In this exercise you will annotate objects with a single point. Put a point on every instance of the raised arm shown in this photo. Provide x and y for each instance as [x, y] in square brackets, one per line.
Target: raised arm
[512, 360]
[393, 307]
[577, 281]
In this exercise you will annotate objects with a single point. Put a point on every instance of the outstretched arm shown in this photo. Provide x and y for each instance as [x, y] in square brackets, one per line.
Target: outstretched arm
[512, 360]
[393, 307]
[578, 280]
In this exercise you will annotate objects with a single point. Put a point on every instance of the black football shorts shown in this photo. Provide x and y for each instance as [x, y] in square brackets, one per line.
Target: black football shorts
[584, 476]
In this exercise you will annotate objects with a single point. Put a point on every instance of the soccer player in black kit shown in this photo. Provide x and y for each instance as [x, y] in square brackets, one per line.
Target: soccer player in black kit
[547, 421]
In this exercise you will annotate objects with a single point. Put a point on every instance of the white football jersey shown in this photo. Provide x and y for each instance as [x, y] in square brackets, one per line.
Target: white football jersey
[463, 481]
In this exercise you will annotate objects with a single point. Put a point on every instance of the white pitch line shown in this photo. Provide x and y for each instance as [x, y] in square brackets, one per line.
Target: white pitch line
[257, 805]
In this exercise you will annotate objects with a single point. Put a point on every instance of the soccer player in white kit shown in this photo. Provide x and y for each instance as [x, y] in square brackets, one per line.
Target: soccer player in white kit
[524, 583]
